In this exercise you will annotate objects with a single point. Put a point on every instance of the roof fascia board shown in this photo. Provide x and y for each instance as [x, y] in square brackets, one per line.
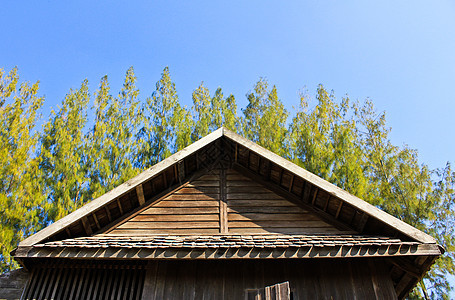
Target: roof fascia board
[120, 190]
[332, 189]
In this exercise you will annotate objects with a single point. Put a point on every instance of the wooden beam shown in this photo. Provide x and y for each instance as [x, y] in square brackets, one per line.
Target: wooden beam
[119, 206]
[314, 196]
[269, 171]
[307, 192]
[401, 285]
[291, 183]
[96, 221]
[176, 176]
[281, 176]
[327, 203]
[86, 226]
[405, 266]
[108, 213]
[339, 209]
[363, 221]
[223, 203]
[140, 194]
[164, 178]
[236, 151]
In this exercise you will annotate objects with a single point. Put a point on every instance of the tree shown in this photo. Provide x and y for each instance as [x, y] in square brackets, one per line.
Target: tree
[210, 113]
[21, 197]
[264, 120]
[346, 143]
[167, 126]
[62, 154]
[113, 143]
[325, 141]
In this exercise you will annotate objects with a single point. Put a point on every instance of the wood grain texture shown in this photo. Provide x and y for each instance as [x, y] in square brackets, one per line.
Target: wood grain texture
[239, 279]
[252, 208]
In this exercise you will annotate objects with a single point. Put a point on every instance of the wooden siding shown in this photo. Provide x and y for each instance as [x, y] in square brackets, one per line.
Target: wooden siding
[85, 282]
[212, 279]
[12, 284]
[252, 208]
[192, 209]
[321, 279]
[223, 202]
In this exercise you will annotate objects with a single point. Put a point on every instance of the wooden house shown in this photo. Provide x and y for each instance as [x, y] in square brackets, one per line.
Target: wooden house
[226, 219]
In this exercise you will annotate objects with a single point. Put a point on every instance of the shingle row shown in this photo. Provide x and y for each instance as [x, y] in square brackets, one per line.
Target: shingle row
[225, 241]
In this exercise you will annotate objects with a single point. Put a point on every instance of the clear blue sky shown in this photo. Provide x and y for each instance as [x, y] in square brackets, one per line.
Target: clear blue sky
[401, 54]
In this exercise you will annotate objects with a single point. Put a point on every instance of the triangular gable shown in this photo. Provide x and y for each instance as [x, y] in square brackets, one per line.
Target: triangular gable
[283, 177]
[223, 202]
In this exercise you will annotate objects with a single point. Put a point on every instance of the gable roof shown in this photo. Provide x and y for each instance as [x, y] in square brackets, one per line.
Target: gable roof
[247, 156]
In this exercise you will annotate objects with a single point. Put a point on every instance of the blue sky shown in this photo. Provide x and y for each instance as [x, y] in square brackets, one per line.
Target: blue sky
[401, 54]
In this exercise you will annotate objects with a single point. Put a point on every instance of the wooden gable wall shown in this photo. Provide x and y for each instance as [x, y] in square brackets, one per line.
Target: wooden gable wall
[223, 201]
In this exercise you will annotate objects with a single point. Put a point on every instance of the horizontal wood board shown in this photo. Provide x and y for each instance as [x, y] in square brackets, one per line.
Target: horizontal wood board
[250, 208]
[193, 209]
[254, 209]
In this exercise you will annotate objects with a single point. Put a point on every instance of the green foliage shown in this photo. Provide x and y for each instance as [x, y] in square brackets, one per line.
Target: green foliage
[167, 126]
[325, 142]
[82, 152]
[265, 117]
[21, 198]
[62, 154]
[112, 143]
[211, 113]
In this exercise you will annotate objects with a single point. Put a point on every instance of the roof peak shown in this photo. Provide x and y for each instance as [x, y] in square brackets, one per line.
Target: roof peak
[134, 185]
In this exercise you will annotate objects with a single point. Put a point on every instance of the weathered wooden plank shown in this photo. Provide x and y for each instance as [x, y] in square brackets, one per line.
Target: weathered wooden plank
[209, 177]
[170, 225]
[315, 194]
[95, 218]
[272, 217]
[188, 203]
[175, 218]
[339, 209]
[279, 224]
[287, 230]
[180, 211]
[296, 200]
[249, 183]
[201, 183]
[192, 197]
[253, 196]
[234, 176]
[247, 189]
[199, 190]
[151, 202]
[150, 281]
[266, 209]
[223, 203]
[145, 232]
[251, 203]
[140, 194]
[86, 226]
